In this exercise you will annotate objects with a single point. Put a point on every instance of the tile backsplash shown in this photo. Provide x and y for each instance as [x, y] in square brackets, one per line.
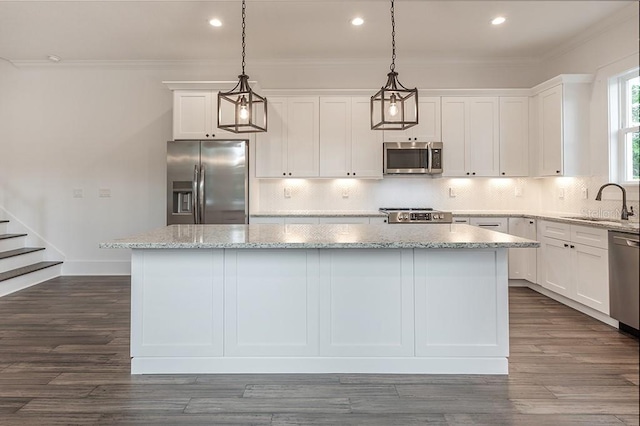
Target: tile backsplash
[553, 194]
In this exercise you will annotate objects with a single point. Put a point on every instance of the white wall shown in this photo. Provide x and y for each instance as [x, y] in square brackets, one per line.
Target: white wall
[104, 125]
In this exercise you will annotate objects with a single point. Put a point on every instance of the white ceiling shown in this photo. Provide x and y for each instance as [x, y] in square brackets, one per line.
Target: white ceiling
[283, 30]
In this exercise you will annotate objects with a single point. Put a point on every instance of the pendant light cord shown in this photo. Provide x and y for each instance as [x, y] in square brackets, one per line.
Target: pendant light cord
[393, 38]
[244, 15]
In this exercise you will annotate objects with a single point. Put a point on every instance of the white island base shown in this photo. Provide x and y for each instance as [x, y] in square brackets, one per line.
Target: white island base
[319, 311]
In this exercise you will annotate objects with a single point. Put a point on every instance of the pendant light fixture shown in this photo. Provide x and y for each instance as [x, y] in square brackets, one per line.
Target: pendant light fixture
[394, 107]
[241, 110]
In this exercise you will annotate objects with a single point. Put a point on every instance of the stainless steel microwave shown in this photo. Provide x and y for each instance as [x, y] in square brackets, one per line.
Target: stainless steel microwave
[412, 158]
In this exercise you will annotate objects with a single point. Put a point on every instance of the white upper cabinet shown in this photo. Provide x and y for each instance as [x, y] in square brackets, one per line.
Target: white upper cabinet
[291, 146]
[562, 126]
[514, 136]
[348, 146]
[470, 136]
[428, 128]
[194, 115]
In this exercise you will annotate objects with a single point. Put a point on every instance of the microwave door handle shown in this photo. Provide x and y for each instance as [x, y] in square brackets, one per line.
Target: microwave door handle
[429, 159]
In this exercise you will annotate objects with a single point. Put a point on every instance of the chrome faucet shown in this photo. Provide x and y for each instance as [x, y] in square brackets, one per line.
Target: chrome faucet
[625, 214]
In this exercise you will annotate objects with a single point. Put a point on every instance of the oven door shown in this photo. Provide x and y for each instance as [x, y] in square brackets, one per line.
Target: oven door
[406, 158]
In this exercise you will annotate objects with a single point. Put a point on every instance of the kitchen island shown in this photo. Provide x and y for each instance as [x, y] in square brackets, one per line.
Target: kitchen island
[319, 299]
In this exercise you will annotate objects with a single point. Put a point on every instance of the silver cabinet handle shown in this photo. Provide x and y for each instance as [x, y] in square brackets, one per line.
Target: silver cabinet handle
[201, 195]
[488, 224]
[194, 197]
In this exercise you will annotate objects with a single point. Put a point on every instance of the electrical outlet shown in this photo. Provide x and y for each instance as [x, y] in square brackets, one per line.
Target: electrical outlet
[345, 192]
[518, 191]
[104, 192]
[561, 193]
[585, 194]
[78, 193]
[452, 192]
[287, 192]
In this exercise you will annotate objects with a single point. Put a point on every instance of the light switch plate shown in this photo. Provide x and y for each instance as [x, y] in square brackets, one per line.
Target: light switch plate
[561, 193]
[345, 192]
[518, 191]
[78, 193]
[452, 192]
[104, 192]
[287, 192]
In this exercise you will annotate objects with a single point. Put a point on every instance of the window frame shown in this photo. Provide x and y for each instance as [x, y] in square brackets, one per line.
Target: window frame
[620, 128]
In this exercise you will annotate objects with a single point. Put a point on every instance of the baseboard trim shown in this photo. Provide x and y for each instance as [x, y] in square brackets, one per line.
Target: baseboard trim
[574, 305]
[91, 267]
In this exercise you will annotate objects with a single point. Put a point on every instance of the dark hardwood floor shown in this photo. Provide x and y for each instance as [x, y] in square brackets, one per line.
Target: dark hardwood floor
[64, 360]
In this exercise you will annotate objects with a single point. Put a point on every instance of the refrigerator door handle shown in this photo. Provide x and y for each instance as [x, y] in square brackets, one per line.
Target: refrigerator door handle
[194, 197]
[201, 195]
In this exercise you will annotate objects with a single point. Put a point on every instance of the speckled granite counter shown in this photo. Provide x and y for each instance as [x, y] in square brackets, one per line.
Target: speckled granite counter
[610, 224]
[432, 236]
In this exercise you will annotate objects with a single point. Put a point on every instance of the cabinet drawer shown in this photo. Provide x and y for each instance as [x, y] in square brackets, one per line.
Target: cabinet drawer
[560, 231]
[499, 224]
[589, 236]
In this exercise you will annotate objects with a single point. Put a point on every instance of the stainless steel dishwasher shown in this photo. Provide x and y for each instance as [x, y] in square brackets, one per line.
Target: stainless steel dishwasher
[624, 280]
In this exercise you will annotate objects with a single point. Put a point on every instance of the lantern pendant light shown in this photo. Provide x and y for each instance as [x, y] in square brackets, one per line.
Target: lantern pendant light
[394, 107]
[241, 110]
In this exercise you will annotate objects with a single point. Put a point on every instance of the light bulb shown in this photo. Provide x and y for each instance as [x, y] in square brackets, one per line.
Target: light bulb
[244, 113]
[393, 108]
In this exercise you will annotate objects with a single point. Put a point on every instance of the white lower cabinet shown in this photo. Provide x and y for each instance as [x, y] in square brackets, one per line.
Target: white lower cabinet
[366, 303]
[522, 262]
[573, 269]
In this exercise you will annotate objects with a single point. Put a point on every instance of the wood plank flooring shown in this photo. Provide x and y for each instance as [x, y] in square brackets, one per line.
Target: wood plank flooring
[64, 360]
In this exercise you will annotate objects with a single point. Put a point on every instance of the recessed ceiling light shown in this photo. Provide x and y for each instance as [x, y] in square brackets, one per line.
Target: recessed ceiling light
[498, 20]
[53, 58]
[215, 22]
[357, 21]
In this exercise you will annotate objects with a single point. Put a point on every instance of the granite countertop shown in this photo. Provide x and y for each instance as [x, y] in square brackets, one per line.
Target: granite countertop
[315, 213]
[610, 224]
[433, 236]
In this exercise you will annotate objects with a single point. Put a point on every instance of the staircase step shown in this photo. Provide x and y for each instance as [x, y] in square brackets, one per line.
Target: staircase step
[17, 252]
[8, 236]
[27, 269]
[12, 241]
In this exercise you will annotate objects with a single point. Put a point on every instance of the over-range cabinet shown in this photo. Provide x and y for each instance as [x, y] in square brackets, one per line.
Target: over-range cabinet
[207, 182]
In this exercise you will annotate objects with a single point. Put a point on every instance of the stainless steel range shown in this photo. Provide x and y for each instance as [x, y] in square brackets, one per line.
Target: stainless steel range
[416, 215]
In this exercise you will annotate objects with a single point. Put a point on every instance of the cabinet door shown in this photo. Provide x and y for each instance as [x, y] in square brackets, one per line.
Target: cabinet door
[303, 141]
[591, 276]
[366, 144]
[550, 131]
[555, 266]
[271, 147]
[517, 257]
[514, 136]
[428, 128]
[192, 114]
[482, 146]
[454, 117]
[335, 137]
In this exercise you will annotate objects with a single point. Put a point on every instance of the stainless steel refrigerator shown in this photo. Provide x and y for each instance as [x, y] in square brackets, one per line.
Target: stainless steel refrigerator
[207, 182]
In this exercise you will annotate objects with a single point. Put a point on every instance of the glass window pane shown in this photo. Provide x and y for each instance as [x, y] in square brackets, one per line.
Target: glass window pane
[632, 151]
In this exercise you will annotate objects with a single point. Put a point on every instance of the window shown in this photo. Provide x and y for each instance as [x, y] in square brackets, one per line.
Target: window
[625, 129]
